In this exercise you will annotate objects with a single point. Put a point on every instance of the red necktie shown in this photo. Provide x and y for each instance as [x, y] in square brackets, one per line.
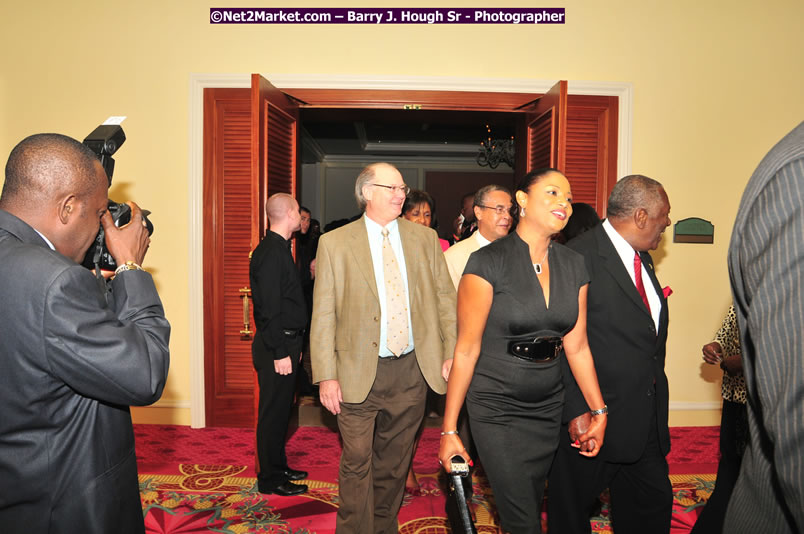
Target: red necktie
[638, 279]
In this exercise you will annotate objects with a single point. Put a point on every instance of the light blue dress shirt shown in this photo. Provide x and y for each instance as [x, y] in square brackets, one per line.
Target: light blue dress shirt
[375, 244]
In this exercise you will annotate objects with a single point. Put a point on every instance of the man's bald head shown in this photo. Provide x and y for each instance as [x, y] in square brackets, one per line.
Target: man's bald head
[283, 214]
[278, 206]
[44, 167]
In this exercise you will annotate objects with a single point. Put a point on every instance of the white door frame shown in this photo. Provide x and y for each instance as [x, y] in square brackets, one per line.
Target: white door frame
[199, 82]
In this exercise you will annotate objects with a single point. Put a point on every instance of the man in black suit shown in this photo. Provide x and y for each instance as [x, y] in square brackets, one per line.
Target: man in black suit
[766, 265]
[74, 355]
[280, 317]
[627, 330]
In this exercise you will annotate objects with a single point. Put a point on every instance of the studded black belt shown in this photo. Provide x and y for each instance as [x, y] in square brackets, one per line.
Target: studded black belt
[540, 349]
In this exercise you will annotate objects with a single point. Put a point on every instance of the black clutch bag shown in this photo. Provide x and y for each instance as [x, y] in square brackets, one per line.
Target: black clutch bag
[459, 484]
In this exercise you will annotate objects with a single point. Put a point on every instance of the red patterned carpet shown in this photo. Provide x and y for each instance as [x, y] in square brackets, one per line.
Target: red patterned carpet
[203, 480]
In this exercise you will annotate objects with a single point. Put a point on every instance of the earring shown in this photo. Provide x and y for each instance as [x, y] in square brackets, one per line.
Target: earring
[522, 212]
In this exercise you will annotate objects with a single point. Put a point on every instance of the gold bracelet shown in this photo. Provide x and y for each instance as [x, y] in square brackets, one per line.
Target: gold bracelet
[128, 266]
[449, 433]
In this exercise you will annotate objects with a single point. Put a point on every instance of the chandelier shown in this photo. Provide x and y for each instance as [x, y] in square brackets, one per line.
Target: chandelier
[495, 151]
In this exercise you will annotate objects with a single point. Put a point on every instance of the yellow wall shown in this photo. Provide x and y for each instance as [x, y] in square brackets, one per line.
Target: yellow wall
[716, 84]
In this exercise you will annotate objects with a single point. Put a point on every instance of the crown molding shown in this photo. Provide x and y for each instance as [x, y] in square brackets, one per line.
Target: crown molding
[463, 163]
[200, 81]
[463, 148]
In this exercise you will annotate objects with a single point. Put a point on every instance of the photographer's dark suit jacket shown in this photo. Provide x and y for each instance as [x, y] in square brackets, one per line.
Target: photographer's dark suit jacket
[629, 354]
[70, 366]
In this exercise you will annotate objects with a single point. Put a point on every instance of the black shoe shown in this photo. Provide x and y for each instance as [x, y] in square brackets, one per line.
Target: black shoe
[286, 489]
[293, 474]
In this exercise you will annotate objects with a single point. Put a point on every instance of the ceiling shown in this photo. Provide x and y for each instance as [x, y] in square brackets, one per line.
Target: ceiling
[398, 133]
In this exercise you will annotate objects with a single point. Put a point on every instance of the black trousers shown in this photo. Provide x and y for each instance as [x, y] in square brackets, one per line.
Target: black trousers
[276, 401]
[641, 493]
[733, 439]
[515, 415]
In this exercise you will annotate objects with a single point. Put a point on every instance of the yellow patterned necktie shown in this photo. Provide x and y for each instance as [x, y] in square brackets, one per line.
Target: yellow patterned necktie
[396, 302]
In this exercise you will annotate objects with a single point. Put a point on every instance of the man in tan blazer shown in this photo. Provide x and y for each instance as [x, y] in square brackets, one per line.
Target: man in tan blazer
[372, 372]
[492, 206]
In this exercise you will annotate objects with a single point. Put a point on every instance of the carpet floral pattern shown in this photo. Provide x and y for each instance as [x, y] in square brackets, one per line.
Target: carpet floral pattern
[180, 495]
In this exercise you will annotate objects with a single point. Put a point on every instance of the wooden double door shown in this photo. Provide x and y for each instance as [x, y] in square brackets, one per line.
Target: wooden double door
[251, 149]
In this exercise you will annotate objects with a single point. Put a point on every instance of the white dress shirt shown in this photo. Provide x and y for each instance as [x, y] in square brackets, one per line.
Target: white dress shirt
[375, 244]
[626, 253]
[46, 239]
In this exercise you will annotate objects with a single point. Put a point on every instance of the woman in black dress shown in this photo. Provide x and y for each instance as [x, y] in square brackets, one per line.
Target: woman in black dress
[520, 299]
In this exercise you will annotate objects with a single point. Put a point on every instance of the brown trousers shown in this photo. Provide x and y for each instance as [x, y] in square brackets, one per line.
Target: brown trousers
[378, 436]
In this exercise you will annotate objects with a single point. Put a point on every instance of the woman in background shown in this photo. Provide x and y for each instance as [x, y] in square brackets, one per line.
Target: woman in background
[584, 217]
[419, 207]
[521, 305]
[725, 351]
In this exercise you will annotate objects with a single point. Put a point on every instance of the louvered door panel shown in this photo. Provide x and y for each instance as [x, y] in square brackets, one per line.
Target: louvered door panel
[541, 132]
[281, 158]
[591, 144]
[227, 242]
[540, 141]
[273, 170]
[236, 247]
[582, 158]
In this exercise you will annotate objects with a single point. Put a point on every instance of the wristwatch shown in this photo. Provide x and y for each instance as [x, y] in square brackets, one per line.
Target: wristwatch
[128, 266]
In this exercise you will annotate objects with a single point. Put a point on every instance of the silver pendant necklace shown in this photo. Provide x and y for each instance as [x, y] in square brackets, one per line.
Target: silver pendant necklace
[538, 266]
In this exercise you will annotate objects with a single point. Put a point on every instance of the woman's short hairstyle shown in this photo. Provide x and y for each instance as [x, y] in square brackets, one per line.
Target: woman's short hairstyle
[416, 197]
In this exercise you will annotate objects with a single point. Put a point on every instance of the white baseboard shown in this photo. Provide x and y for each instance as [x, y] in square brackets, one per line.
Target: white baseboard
[695, 406]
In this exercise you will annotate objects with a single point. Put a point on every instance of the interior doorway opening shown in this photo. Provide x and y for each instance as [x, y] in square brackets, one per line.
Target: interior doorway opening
[592, 142]
[436, 151]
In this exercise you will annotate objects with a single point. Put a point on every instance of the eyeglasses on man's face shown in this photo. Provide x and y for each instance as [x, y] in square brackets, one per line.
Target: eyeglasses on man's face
[394, 188]
[499, 210]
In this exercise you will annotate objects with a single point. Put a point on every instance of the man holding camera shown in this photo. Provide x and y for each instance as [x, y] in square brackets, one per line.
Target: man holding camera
[74, 357]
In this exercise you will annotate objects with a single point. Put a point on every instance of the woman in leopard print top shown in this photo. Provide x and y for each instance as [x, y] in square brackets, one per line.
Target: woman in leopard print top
[725, 350]
[728, 339]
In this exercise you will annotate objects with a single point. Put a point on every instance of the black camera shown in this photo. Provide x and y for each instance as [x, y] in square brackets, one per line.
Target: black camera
[104, 142]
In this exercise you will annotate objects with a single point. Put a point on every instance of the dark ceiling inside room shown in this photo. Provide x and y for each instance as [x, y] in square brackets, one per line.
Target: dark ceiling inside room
[380, 133]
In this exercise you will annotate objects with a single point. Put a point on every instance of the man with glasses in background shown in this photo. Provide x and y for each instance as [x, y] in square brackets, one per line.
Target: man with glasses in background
[383, 329]
[492, 207]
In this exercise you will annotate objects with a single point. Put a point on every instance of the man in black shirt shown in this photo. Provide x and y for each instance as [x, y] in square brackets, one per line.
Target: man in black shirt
[280, 316]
